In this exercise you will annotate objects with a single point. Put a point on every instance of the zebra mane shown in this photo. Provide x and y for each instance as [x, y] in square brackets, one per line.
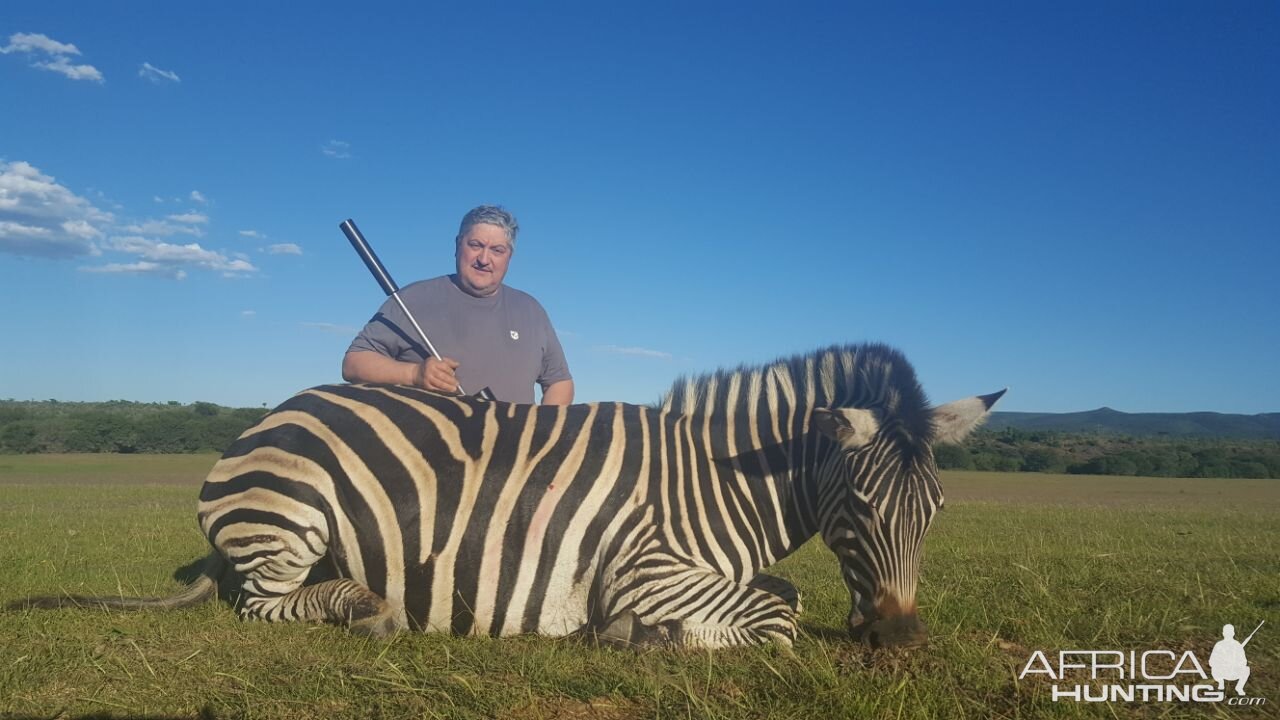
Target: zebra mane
[868, 375]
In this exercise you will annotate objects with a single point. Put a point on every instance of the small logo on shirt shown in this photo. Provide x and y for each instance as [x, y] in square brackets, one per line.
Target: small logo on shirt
[515, 335]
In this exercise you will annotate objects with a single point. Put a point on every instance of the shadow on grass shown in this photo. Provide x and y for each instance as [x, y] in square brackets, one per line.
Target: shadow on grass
[188, 573]
[828, 634]
[228, 584]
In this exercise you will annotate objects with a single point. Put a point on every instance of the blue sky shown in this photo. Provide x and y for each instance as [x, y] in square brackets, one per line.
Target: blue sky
[1079, 201]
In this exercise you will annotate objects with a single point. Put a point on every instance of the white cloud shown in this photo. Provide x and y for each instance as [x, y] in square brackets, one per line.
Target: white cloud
[192, 253]
[284, 249]
[81, 229]
[130, 244]
[138, 268]
[63, 66]
[639, 351]
[157, 198]
[37, 42]
[190, 218]
[248, 313]
[41, 218]
[337, 149]
[161, 228]
[197, 197]
[170, 255]
[20, 230]
[156, 75]
[235, 267]
[57, 55]
[252, 234]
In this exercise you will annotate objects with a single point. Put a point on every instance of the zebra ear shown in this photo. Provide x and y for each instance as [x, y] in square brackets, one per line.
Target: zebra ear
[953, 422]
[851, 428]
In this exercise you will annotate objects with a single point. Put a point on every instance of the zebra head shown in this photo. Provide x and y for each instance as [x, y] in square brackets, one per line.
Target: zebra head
[882, 493]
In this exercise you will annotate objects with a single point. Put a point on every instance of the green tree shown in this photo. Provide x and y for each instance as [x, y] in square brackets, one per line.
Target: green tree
[1042, 459]
[1249, 469]
[204, 409]
[19, 437]
[952, 457]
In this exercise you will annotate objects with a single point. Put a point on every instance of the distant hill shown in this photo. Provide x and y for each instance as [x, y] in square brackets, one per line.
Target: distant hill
[1265, 426]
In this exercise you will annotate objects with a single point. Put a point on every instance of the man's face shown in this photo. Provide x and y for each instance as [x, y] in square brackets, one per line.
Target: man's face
[483, 254]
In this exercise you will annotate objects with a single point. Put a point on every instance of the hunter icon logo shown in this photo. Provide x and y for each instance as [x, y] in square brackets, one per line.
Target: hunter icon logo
[1227, 661]
[515, 335]
[1158, 675]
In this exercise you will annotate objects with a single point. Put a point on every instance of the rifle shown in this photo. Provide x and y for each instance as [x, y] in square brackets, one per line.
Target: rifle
[371, 261]
[1255, 630]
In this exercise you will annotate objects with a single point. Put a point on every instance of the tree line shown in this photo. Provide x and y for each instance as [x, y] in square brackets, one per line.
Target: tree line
[1013, 450]
[120, 427]
[130, 427]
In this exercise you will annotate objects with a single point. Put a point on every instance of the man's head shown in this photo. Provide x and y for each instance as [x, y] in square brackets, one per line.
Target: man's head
[1228, 632]
[486, 240]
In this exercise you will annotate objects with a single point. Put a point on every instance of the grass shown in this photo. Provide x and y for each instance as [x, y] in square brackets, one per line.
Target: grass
[1016, 563]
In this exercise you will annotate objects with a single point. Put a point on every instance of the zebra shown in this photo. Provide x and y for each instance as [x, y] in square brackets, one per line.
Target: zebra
[387, 508]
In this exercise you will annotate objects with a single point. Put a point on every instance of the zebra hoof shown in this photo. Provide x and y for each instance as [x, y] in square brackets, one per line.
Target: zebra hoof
[627, 631]
[620, 631]
[381, 626]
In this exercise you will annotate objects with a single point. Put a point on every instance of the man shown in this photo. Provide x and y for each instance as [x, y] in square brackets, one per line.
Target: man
[488, 334]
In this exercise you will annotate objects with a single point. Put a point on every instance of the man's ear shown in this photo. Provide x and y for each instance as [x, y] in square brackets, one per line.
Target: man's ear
[851, 428]
[953, 422]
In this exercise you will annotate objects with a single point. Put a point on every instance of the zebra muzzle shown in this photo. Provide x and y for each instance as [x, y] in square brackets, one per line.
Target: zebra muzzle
[903, 631]
[891, 627]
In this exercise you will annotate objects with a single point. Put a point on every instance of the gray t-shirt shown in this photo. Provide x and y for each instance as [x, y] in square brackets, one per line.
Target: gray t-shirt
[504, 342]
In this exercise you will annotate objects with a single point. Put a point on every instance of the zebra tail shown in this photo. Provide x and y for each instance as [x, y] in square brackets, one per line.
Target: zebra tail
[202, 589]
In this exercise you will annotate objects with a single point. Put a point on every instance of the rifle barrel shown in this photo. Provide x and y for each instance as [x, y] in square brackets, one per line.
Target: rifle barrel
[1255, 631]
[380, 274]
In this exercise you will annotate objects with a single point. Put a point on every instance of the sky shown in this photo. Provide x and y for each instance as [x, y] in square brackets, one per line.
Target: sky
[1077, 201]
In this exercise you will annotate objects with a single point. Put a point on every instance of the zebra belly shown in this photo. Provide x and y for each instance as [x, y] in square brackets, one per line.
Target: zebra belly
[451, 593]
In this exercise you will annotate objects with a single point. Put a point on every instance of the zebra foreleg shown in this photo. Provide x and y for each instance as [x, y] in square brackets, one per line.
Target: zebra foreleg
[342, 601]
[782, 588]
[275, 566]
[697, 608]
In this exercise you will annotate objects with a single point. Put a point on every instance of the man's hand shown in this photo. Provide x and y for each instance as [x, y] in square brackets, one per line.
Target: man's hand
[437, 375]
[371, 367]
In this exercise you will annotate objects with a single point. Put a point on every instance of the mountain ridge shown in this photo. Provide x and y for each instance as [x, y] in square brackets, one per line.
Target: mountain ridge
[1262, 426]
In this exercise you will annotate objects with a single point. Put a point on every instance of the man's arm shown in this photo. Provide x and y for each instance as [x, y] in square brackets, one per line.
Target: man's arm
[372, 367]
[558, 393]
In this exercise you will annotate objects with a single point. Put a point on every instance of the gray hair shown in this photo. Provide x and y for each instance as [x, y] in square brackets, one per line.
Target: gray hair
[490, 215]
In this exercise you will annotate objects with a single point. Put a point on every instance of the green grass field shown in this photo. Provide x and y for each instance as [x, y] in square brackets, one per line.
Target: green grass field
[1014, 564]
